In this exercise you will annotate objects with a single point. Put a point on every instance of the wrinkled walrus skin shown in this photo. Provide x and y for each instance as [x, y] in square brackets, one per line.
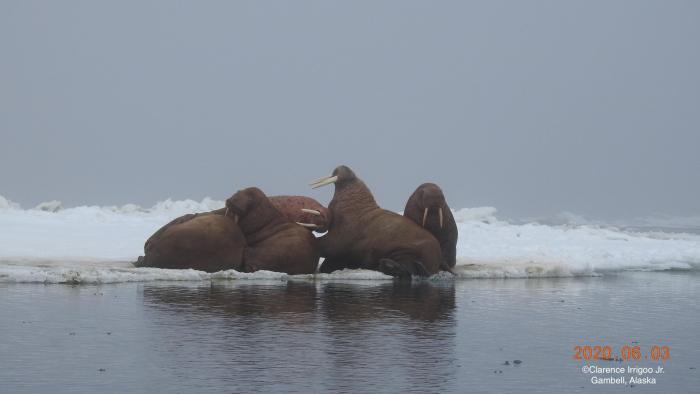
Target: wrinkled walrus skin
[363, 235]
[274, 242]
[203, 242]
[292, 208]
[424, 207]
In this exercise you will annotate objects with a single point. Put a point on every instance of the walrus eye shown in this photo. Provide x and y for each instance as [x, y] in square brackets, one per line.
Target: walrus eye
[323, 181]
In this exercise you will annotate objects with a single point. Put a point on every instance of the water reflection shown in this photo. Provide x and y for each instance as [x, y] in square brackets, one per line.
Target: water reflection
[336, 335]
[267, 299]
[420, 301]
[338, 301]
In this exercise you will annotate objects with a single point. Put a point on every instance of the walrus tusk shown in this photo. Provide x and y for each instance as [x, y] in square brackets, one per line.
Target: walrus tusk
[319, 180]
[324, 181]
[440, 211]
[425, 215]
[226, 213]
[309, 225]
[311, 211]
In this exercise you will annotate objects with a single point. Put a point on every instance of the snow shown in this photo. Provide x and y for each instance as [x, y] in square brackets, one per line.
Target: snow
[91, 244]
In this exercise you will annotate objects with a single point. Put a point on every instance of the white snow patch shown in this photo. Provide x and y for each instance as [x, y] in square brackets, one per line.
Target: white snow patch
[91, 244]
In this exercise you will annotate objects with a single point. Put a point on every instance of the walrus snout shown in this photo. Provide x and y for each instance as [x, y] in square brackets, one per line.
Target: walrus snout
[425, 215]
[432, 200]
[316, 219]
[310, 223]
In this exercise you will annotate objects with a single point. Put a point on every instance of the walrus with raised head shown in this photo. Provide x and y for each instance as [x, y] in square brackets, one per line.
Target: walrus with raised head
[427, 207]
[363, 235]
[203, 242]
[275, 243]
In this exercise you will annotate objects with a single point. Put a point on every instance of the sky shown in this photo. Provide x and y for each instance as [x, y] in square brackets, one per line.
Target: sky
[533, 107]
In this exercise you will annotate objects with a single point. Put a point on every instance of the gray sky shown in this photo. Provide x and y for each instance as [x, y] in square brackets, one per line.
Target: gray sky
[533, 107]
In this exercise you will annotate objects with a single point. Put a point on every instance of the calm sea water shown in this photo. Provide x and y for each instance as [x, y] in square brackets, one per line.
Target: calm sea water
[374, 336]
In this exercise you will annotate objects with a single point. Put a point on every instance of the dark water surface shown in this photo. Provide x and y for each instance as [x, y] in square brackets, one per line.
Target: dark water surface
[373, 336]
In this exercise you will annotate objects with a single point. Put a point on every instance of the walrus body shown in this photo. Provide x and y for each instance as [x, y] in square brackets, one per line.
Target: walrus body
[299, 209]
[274, 242]
[203, 242]
[363, 235]
[302, 210]
[427, 208]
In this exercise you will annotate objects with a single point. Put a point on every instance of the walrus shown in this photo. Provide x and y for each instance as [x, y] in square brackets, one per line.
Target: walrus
[427, 208]
[275, 243]
[363, 235]
[203, 242]
[304, 211]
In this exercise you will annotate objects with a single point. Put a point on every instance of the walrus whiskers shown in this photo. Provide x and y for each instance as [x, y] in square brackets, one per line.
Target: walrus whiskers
[425, 215]
[311, 211]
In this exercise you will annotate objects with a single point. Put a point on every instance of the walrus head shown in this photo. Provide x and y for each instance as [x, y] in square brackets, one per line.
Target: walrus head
[431, 200]
[316, 219]
[351, 194]
[305, 211]
[341, 175]
[246, 202]
[243, 200]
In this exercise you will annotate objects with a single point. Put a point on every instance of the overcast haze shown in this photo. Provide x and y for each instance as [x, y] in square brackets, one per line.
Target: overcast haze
[534, 107]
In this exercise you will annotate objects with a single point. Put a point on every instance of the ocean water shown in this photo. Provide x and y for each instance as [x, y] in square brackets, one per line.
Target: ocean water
[76, 316]
[226, 336]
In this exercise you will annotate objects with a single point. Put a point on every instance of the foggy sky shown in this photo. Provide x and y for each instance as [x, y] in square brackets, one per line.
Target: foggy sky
[534, 107]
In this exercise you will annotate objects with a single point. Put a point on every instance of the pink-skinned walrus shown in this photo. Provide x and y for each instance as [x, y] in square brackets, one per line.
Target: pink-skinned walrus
[304, 211]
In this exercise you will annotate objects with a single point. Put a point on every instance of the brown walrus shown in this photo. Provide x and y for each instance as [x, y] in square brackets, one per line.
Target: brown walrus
[169, 252]
[274, 242]
[305, 211]
[427, 208]
[203, 242]
[363, 235]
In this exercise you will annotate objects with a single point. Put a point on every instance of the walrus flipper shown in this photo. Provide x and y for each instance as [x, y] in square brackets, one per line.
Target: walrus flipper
[140, 261]
[404, 270]
[444, 265]
[419, 269]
